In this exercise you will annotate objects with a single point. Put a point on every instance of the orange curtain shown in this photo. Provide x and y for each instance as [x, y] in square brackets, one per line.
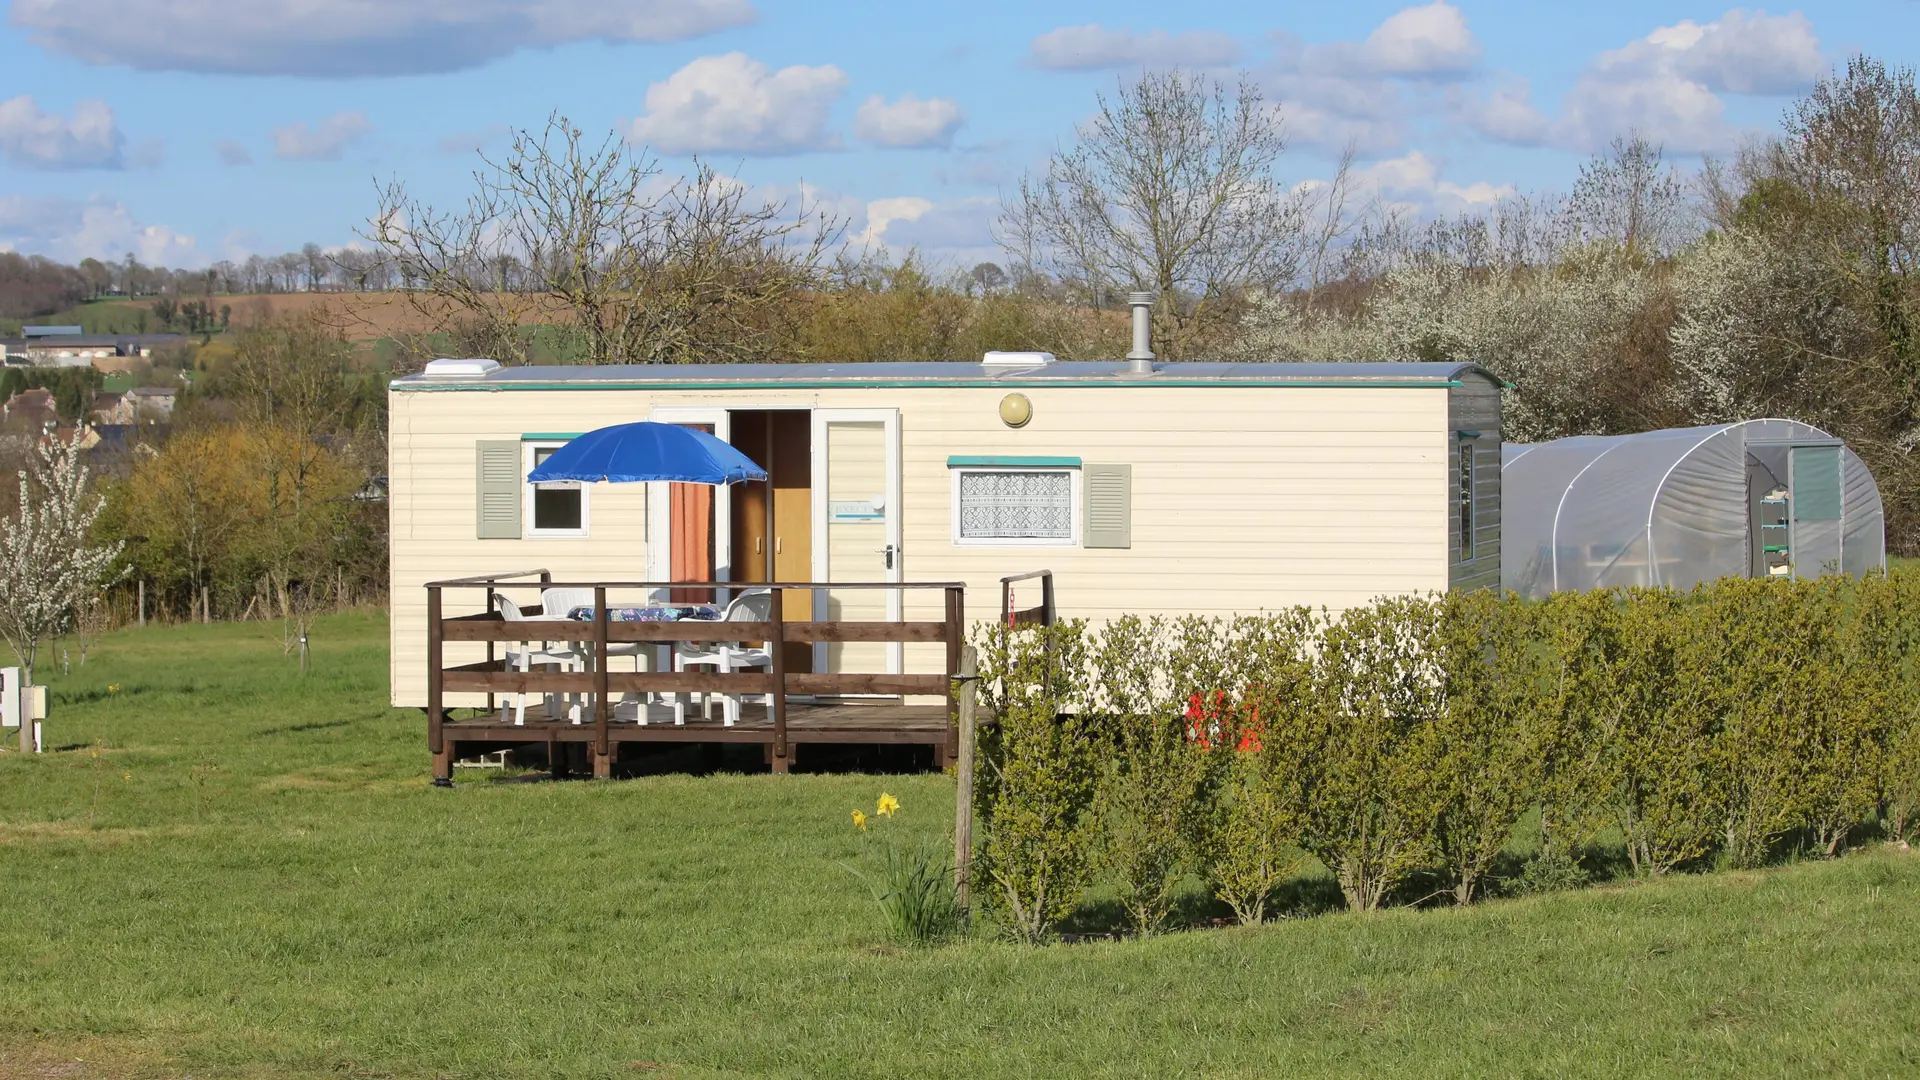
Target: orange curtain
[692, 532]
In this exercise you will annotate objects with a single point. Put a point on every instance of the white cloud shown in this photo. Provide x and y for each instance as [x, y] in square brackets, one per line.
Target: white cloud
[1417, 176]
[33, 139]
[908, 122]
[1332, 112]
[1507, 115]
[320, 142]
[1364, 93]
[70, 230]
[1666, 86]
[1410, 185]
[1739, 53]
[881, 213]
[352, 37]
[1432, 39]
[1093, 47]
[736, 104]
[232, 153]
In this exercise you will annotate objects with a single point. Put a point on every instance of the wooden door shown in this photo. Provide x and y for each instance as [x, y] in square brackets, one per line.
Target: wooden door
[779, 441]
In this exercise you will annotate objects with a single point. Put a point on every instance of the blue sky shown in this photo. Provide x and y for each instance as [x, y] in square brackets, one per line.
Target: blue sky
[194, 130]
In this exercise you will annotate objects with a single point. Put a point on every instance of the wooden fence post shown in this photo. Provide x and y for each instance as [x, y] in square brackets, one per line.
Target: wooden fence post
[777, 672]
[968, 693]
[603, 709]
[143, 601]
[436, 741]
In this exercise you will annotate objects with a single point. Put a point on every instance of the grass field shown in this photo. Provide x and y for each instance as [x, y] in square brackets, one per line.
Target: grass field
[227, 870]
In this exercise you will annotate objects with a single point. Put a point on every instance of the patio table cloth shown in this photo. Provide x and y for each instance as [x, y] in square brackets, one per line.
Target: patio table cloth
[651, 613]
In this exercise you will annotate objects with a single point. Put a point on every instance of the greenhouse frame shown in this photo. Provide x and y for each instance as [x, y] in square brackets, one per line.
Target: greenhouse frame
[1676, 507]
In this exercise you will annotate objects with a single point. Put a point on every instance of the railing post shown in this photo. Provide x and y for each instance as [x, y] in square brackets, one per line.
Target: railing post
[777, 669]
[956, 638]
[490, 643]
[603, 709]
[436, 739]
[969, 691]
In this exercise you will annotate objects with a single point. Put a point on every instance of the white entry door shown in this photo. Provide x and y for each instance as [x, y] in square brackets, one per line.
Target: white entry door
[856, 531]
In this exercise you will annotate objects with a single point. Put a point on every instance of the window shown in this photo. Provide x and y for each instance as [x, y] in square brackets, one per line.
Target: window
[556, 509]
[1466, 501]
[1015, 507]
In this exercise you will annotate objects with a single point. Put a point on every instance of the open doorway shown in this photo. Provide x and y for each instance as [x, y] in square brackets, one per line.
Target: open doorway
[772, 520]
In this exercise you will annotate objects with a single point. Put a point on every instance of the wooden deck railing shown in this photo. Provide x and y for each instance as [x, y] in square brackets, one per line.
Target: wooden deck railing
[602, 682]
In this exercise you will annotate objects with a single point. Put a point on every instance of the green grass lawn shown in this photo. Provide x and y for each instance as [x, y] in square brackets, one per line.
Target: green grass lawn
[231, 870]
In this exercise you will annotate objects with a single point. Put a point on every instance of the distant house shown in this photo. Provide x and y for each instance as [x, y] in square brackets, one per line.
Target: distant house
[105, 351]
[111, 408]
[147, 404]
[31, 409]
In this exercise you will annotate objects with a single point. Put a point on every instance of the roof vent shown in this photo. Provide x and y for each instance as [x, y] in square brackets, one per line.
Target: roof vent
[1017, 359]
[1140, 360]
[457, 369]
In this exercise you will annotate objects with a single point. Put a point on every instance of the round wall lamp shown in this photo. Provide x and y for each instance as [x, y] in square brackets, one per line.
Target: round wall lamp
[1016, 410]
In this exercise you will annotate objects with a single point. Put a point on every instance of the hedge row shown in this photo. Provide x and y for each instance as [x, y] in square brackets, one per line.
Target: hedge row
[1409, 736]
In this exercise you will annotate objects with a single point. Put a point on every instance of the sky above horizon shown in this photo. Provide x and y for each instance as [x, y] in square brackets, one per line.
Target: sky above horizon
[188, 131]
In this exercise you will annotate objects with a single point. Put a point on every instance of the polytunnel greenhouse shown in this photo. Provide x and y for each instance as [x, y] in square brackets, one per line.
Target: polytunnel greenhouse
[1758, 498]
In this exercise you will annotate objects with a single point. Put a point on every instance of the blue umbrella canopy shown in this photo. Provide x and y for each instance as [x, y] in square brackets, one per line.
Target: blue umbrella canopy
[646, 451]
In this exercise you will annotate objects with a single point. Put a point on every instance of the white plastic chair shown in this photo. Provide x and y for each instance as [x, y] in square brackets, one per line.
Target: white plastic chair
[529, 654]
[725, 657]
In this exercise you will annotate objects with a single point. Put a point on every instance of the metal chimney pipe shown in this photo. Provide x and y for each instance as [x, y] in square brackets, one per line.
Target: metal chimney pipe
[1140, 360]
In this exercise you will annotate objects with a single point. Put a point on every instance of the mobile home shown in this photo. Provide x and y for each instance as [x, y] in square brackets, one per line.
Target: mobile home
[1173, 488]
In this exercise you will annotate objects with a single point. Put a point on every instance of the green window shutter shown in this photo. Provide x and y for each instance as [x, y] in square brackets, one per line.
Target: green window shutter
[497, 484]
[1109, 506]
[1815, 483]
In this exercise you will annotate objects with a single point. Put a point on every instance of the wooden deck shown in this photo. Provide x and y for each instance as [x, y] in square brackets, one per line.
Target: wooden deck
[794, 710]
[876, 722]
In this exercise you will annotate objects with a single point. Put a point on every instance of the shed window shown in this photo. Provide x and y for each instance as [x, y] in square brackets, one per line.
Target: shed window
[1466, 501]
[1014, 506]
[556, 509]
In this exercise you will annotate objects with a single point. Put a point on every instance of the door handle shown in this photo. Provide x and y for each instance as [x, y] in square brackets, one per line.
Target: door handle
[888, 552]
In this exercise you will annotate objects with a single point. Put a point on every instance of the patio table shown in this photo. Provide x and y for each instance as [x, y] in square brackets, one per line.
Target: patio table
[650, 613]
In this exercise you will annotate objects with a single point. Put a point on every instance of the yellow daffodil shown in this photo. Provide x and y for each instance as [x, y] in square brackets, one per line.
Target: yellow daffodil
[888, 804]
[860, 820]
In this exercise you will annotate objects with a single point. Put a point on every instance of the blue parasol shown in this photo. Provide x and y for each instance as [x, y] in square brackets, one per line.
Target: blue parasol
[647, 451]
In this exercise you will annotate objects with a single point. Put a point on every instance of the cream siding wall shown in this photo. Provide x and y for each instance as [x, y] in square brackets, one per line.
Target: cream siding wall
[1244, 497]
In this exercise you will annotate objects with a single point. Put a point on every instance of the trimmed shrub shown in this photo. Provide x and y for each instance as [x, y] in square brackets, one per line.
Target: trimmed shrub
[1154, 773]
[1251, 843]
[1485, 748]
[1363, 749]
[1657, 745]
[1037, 777]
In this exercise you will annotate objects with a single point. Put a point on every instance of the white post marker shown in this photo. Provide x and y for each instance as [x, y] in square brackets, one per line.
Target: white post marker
[10, 697]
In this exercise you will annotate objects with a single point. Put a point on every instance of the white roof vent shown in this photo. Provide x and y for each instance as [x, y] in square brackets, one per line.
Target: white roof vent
[1017, 359]
[445, 368]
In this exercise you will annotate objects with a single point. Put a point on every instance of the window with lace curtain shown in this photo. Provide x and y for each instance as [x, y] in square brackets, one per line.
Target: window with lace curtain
[1014, 507]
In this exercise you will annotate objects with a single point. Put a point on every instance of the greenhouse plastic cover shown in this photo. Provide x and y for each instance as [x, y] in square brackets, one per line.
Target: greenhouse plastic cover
[1667, 508]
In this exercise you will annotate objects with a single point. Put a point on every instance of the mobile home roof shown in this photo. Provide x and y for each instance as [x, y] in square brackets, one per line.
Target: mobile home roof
[905, 375]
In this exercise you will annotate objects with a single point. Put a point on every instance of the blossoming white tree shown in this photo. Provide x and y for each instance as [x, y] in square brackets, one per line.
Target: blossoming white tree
[48, 564]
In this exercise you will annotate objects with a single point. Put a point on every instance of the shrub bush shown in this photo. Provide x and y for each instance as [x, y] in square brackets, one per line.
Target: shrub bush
[1037, 777]
[1410, 735]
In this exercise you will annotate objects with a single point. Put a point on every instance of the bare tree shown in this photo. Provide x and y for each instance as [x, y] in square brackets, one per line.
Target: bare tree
[626, 264]
[1330, 223]
[1625, 197]
[1171, 188]
[49, 567]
